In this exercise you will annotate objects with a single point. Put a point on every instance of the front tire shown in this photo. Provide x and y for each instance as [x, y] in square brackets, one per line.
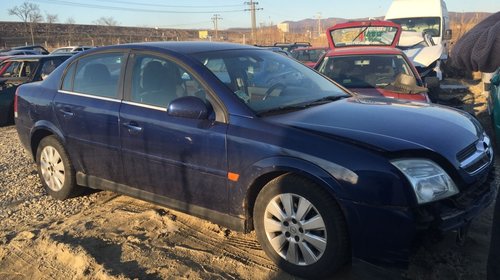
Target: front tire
[301, 227]
[55, 169]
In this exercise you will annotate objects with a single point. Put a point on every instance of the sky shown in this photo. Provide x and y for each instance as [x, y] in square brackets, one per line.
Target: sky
[198, 14]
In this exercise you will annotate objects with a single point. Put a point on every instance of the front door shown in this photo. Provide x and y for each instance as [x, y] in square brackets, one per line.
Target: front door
[182, 159]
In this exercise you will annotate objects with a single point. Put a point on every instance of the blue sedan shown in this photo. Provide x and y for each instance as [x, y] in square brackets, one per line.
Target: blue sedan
[319, 173]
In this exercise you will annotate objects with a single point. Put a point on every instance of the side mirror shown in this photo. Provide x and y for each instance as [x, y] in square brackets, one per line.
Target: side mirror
[190, 107]
[447, 34]
[431, 82]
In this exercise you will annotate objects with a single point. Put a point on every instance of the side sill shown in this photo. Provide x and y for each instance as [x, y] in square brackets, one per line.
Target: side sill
[225, 220]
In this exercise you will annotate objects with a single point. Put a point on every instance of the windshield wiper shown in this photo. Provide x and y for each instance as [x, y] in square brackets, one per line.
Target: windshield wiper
[282, 109]
[359, 34]
[326, 99]
[300, 106]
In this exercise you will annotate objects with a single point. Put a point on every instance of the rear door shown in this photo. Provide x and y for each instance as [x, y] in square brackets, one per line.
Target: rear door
[87, 108]
[180, 158]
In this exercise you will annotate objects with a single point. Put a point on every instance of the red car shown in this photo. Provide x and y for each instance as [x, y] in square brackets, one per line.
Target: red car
[310, 55]
[4, 64]
[364, 59]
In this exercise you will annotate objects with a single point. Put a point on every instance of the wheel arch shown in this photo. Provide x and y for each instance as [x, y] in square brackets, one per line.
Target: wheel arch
[266, 170]
[40, 130]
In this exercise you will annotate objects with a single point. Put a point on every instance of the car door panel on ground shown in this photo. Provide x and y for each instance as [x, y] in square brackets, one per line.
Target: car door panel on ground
[87, 109]
[180, 158]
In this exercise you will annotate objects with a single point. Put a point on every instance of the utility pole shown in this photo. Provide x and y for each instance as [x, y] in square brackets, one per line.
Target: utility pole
[252, 10]
[215, 20]
[318, 16]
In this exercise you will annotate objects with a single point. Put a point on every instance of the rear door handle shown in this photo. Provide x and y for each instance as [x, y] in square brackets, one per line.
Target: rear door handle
[133, 128]
[67, 113]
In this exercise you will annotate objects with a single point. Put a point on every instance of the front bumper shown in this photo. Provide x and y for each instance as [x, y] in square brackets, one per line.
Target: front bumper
[455, 212]
[388, 235]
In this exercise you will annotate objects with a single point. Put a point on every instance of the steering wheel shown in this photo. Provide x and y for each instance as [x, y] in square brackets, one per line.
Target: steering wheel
[272, 88]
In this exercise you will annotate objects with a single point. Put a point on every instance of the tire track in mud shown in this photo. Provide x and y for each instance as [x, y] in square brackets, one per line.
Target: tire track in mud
[212, 240]
[29, 256]
[127, 229]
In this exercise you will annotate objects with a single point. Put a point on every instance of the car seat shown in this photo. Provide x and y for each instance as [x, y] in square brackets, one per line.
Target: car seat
[158, 84]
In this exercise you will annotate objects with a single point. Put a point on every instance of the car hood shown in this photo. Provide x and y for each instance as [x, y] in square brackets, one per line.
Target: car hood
[389, 125]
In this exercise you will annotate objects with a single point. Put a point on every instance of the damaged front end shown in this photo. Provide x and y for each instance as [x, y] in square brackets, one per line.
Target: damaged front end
[426, 56]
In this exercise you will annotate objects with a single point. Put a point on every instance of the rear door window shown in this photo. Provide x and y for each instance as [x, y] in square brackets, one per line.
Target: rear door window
[97, 75]
[13, 70]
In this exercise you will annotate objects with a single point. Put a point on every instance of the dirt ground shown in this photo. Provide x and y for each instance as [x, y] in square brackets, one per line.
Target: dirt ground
[107, 236]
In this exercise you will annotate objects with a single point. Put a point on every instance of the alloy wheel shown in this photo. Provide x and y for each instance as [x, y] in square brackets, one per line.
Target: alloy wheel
[295, 229]
[52, 167]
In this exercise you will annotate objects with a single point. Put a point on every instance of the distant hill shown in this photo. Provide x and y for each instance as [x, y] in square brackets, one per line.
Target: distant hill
[310, 24]
[468, 17]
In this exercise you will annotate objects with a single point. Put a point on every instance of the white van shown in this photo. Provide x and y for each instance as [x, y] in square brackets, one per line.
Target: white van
[421, 19]
[425, 16]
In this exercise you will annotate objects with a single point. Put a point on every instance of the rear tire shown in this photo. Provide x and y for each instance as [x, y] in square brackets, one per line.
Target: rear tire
[301, 227]
[55, 169]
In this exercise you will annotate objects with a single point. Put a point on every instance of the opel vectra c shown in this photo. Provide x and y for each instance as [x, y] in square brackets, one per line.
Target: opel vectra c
[319, 173]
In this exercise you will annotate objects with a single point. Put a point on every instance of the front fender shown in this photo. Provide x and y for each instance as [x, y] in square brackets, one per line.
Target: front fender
[252, 179]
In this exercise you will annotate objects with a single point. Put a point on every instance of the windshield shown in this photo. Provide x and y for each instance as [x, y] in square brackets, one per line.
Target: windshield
[364, 35]
[430, 25]
[364, 71]
[266, 81]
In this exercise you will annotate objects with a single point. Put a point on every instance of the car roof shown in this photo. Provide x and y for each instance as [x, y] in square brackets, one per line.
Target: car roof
[310, 48]
[363, 51]
[183, 47]
[28, 47]
[36, 57]
[73, 47]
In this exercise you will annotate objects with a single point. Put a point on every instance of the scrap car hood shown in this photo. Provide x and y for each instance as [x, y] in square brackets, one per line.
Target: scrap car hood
[420, 48]
[425, 56]
[389, 124]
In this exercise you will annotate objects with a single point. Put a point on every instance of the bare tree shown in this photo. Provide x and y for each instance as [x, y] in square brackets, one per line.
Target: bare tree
[109, 24]
[71, 28]
[70, 20]
[30, 14]
[50, 19]
[107, 21]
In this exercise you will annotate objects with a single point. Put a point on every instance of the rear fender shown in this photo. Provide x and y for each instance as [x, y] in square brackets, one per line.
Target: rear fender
[41, 129]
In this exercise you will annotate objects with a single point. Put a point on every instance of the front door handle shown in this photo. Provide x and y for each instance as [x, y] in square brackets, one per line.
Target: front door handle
[133, 128]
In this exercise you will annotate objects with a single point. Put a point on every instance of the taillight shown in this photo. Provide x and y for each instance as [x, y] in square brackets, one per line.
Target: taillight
[15, 103]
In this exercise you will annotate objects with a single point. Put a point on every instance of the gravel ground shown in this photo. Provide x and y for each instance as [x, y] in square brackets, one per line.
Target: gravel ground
[103, 235]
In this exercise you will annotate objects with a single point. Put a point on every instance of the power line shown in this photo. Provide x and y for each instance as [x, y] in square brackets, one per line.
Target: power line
[115, 8]
[167, 6]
